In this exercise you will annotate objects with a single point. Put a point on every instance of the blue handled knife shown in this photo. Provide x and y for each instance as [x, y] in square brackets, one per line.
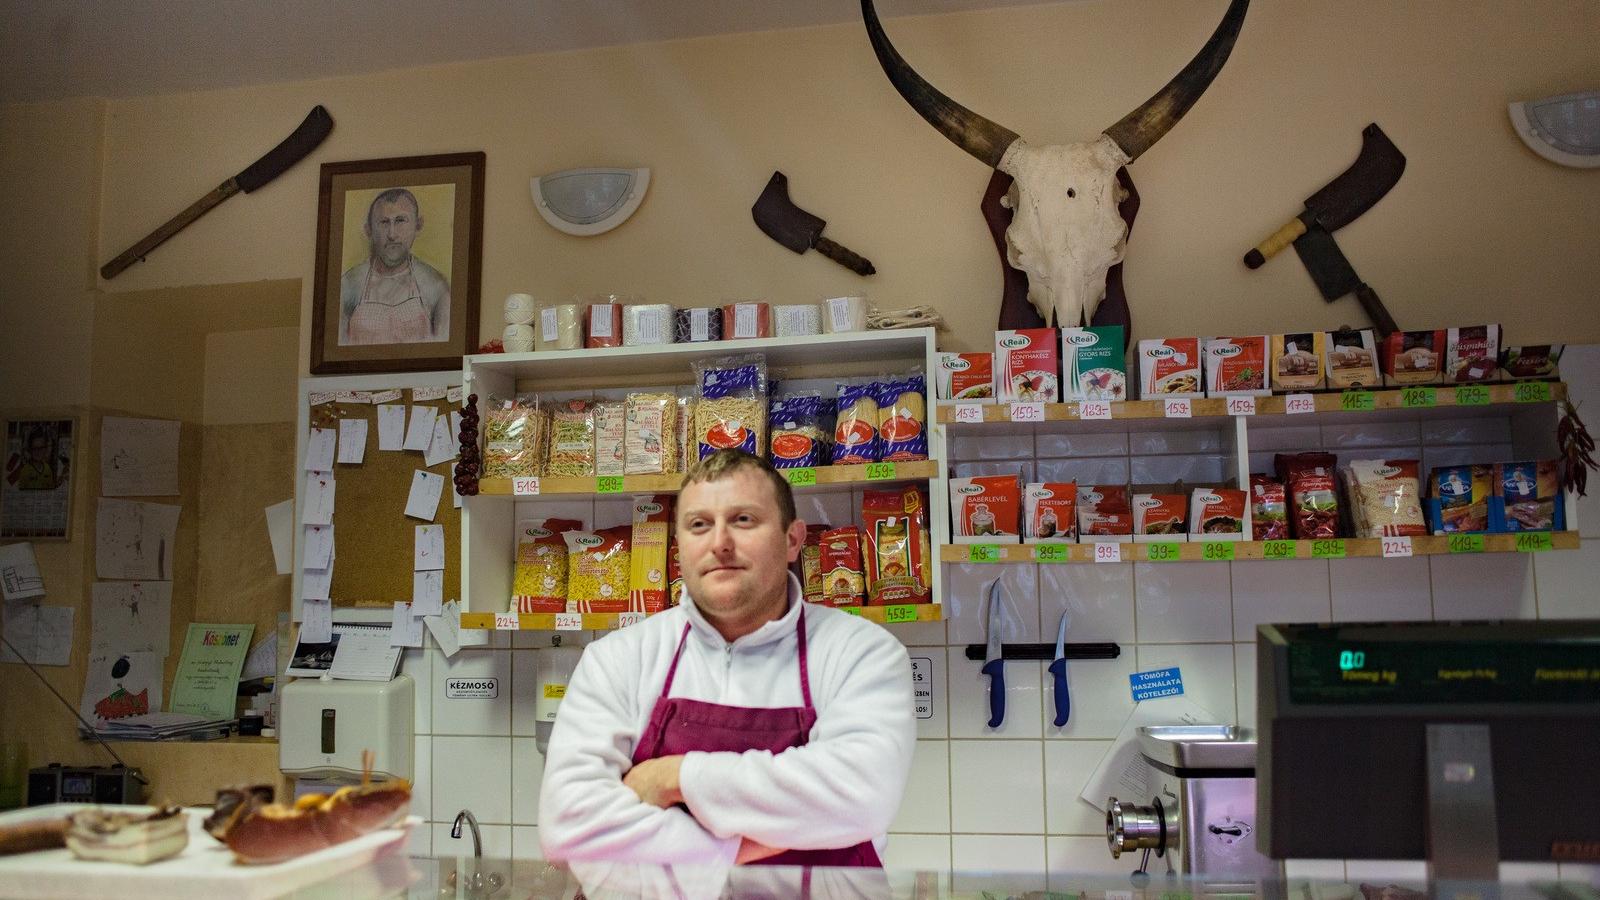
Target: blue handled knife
[994, 664]
[1058, 670]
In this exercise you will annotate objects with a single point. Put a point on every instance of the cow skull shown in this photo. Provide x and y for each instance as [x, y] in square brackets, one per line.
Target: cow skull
[1065, 231]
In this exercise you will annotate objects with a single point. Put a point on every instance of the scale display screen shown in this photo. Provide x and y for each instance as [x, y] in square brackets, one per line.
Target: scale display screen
[1333, 666]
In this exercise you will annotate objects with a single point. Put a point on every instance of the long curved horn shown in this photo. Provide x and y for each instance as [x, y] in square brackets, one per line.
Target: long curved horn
[1140, 129]
[971, 132]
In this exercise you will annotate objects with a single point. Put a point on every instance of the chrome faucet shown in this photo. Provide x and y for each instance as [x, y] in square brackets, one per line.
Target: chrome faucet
[477, 839]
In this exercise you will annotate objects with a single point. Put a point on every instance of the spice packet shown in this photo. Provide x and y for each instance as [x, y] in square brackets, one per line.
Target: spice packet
[1104, 511]
[1050, 512]
[1170, 369]
[985, 509]
[1309, 481]
[1269, 509]
[965, 376]
[1461, 498]
[1219, 514]
[1531, 492]
[1159, 517]
[1094, 363]
[1237, 367]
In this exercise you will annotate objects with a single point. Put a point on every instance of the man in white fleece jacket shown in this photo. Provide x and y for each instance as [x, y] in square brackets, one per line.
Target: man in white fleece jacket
[741, 726]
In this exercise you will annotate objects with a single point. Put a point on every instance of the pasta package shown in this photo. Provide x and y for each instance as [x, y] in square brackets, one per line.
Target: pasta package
[811, 563]
[902, 419]
[855, 431]
[742, 321]
[599, 567]
[1269, 509]
[571, 439]
[1170, 368]
[843, 582]
[610, 438]
[1308, 480]
[1385, 497]
[1297, 362]
[1159, 517]
[650, 437]
[1222, 514]
[687, 452]
[730, 411]
[1050, 512]
[1237, 367]
[648, 571]
[985, 509]
[539, 577]
[1104, 511]
[1532, 494]
[513, 439]
[896, 551]
[1462, 494]
[800, 430]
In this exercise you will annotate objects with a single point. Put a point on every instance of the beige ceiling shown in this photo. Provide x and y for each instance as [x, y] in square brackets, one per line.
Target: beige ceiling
[54, 49]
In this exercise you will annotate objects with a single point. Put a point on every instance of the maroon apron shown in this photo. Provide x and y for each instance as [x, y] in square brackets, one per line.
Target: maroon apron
[679, 725]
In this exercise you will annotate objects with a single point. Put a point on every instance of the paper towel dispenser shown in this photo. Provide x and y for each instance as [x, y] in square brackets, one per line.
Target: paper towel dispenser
[325, 724]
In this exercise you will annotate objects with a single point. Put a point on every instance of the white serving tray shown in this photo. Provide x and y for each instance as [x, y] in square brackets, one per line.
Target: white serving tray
[205, 870]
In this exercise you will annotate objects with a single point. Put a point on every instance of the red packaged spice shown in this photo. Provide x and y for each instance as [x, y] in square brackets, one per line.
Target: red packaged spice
[896, 548]
[1050, 511]
[1159, 514]
[1103, 509]
[843, 582]
[985, 509]
[1269, 509]
[1310, 482]
[1219, 514]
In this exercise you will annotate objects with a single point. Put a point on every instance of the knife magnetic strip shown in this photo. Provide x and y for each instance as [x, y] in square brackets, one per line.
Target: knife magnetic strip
[1048, 651]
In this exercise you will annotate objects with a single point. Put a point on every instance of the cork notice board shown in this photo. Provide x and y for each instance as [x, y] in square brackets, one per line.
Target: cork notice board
[374, 540]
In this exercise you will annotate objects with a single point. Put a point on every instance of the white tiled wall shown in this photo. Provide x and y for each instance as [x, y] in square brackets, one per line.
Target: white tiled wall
[1005, 800]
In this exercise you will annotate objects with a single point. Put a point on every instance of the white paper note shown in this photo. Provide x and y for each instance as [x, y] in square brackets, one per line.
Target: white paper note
[455, 422]
[440, 447]
[317, 584]
[388, 396]
[453, 395]
[1123, 771]
[429, 548]
[426, 489]
[319, 547]
[138, 457]
[121, 685]
[391, 426]
[321, 448]
[130, 616]
[316, 626]
[419, 434]
[407, 628]
[446, 628]
[19, 572]
[41, 634]
[135, 540]
[280, 530]
[419, 394]
[352, 441]
[427, 593]
[319, 499]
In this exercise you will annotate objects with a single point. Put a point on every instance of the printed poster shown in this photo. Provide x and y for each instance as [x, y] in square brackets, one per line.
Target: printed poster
[207, 683]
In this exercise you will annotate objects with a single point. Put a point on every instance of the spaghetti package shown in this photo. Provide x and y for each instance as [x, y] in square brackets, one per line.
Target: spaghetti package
[513, 438]
[855, 431]
[896, 547]
[801, 428]
[650, 436]
[902, 418]
[1532, 494]
[1159, 517]
[843, 581]
[1462, 496]
[811, 563]
[1269, 509]
[730, 410]
[648, 579]
[539, 577]
[688, 447]
[1104, 511]
[610, 438]
[599, 567]
[1050, 512]
[571, 439]
[1308, 480]
[1384, 497]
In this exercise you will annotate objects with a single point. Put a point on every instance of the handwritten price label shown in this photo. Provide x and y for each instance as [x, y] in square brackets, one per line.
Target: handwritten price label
[969, 413]
[1026, 412]
[608, 484]
[1472, 395]
[882, 471]
[1218, 551]
[525, 487]
[507, 622]
[1278, 550]
[905, 612]
[1108, 553]
[1327, 550]
[1533, 392]
[1419, 398]
[802, 477]
[629, 618]
[1178, 409]
[1295, 404]
[1094, 410]
[1396, 547]
[1534, 542]
[1241, 406]
[1051, 553]
[569, 621]
[1466, 543]
[1165, 551]
[983, 553]
[1358, 401]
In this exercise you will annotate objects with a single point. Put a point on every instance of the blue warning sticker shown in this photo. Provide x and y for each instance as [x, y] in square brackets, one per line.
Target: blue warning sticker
[1156, 683]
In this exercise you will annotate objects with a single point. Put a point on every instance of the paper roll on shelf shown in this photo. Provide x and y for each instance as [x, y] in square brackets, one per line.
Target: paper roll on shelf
[842, 314]
[559, 328]
[797, 320]
[645, 324]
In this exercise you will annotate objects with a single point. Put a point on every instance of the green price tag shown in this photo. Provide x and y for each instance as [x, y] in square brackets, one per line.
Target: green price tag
[1472, 395]
[882, 471]
[608, 484]
[852, 610]
[905, 612]
[806, 477]
[1534, 542]
[1419, 398]
[983, 553]
[1163, 551]
[1358, 401]
[1327, 549]
[1051, 553]
[1278, 549]
[1466, 543]
[1218, 551]
[1533, 392]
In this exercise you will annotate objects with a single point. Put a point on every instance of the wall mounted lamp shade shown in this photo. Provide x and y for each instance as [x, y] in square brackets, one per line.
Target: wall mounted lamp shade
[589, 201]
[1564, 129]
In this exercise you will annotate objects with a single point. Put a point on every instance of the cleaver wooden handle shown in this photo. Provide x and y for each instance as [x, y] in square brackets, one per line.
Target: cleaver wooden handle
[851, 260]
[1270, 247]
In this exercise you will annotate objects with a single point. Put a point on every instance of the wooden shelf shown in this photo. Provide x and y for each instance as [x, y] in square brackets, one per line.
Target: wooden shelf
[1415, 399]
[628, 485]
[884, 615]
[1219, 551]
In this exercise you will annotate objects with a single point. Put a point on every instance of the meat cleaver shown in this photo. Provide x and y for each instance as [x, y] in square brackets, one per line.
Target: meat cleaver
[778, 217]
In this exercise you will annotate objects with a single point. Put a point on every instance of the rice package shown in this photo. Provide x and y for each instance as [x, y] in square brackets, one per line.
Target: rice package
[1269, 509]
[1309, 481]
[648, 581]
[539, 577]
[800, 430]
[843, 581]
[896, 549]
[1094, 363]
[902, 419]
[855, 431]
[1050, 512]
[1026, 363]
[1385, 497]
[598, 569]
[730, 410]
[1532, 492]
[1461, 494]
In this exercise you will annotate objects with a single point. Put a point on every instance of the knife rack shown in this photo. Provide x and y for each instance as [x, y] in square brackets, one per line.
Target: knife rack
[1109, 650]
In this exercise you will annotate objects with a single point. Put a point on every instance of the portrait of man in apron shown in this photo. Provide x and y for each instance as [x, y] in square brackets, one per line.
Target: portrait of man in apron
[392, 296]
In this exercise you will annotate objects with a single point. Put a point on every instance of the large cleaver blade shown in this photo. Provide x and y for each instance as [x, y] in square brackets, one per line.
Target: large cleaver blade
[1335, 277]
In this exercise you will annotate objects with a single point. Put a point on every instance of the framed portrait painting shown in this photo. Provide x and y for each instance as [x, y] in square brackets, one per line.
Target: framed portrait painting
[399, 264]
[36, 487]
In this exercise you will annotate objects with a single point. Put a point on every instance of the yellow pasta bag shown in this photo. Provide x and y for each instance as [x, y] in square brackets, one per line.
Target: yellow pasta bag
[598, 567]
[539, 579]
